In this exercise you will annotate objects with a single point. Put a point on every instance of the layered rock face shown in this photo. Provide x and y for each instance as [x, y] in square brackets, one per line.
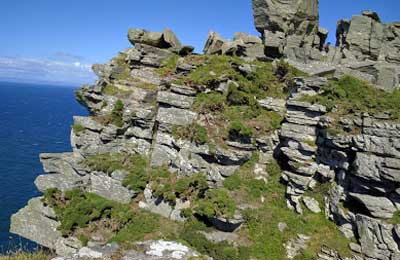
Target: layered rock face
[365, 47]
[289, 28]
[214, 124]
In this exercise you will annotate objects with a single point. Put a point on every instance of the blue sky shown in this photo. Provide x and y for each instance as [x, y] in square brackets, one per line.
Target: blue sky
[59, 39]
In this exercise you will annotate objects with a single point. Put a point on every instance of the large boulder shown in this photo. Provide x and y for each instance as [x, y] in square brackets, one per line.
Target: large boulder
[163, 40]
[287, 26]
[366, 38]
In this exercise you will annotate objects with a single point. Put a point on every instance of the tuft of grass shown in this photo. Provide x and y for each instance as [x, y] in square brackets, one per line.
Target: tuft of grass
[238, 131]
[112, 90]
[22, 255]
[395, 219]
[209, 102]
[168, 186]
[76, 209]
[78, 128]
[216, 202]
[220, 251]
[136, 165]
[349, 95]
[194, 132]
[117, 114]
[168, 66]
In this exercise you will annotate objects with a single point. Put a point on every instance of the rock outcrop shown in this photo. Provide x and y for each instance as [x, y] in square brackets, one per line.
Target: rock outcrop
[289, 28]
[161, 102]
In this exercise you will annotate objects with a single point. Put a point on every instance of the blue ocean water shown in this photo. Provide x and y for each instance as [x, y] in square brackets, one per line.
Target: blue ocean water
[33, 119]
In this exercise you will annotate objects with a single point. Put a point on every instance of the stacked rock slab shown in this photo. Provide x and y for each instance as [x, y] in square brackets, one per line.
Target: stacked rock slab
[244, 45]
[298, 143]
[365, 47]
[367, 168]
[289, 28]
[152, 107]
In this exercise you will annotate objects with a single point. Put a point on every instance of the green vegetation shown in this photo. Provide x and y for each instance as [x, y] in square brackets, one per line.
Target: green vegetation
[243, 184]
[136, 165]
[209, 102]
[77, 209]
[168, 66]
[218, 251]
[112, 90]
[216, 202]
[78, 128]
[349, 95]
[117, 113]
[168, 186]
[264, 81]
[238, 131]
[194, 132]
[395, 219]
[115, 117]
[21, 255]
[123, 72]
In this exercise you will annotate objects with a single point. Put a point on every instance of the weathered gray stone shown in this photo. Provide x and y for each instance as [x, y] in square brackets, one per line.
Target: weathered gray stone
[30, 223]
[175, 100]
[379, 207]
[175, 116]
[312, 204]
[214, 44]
[110, 188]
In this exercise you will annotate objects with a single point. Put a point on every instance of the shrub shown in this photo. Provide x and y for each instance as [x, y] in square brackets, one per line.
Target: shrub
[194, 132]
[238, 131]
[209, 102]
[168, 186]
[117, 114]
[237, 97]
[217, 202]
[76, 209]
[352, 95]
[282, 69]
[220, 251]
[137, 178]
[233, 182]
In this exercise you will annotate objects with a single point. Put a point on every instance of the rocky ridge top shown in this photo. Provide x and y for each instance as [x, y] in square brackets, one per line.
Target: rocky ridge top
[228, 150]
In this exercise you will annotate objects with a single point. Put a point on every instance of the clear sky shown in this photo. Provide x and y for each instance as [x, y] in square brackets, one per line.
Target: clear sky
[54, 33]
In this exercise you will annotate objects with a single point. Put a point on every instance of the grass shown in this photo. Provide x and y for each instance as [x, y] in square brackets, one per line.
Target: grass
[77, 209]
[194, 132]
[264, 81]
[112, 90]
[244, 186]
[21, 255]
[238, 131]
[262, 225]
[79, 212]
[209, 102]
[216, 202]
[135, 165]
[395, 219]
[115, 117]
[78, 128]
[168, 66]
[349, 95]
[125, 72]
[168, 186]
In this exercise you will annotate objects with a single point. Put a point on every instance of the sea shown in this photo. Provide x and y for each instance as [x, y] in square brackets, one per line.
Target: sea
[34, 119]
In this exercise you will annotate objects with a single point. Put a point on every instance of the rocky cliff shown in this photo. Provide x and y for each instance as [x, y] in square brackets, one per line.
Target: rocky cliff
[233, 153]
